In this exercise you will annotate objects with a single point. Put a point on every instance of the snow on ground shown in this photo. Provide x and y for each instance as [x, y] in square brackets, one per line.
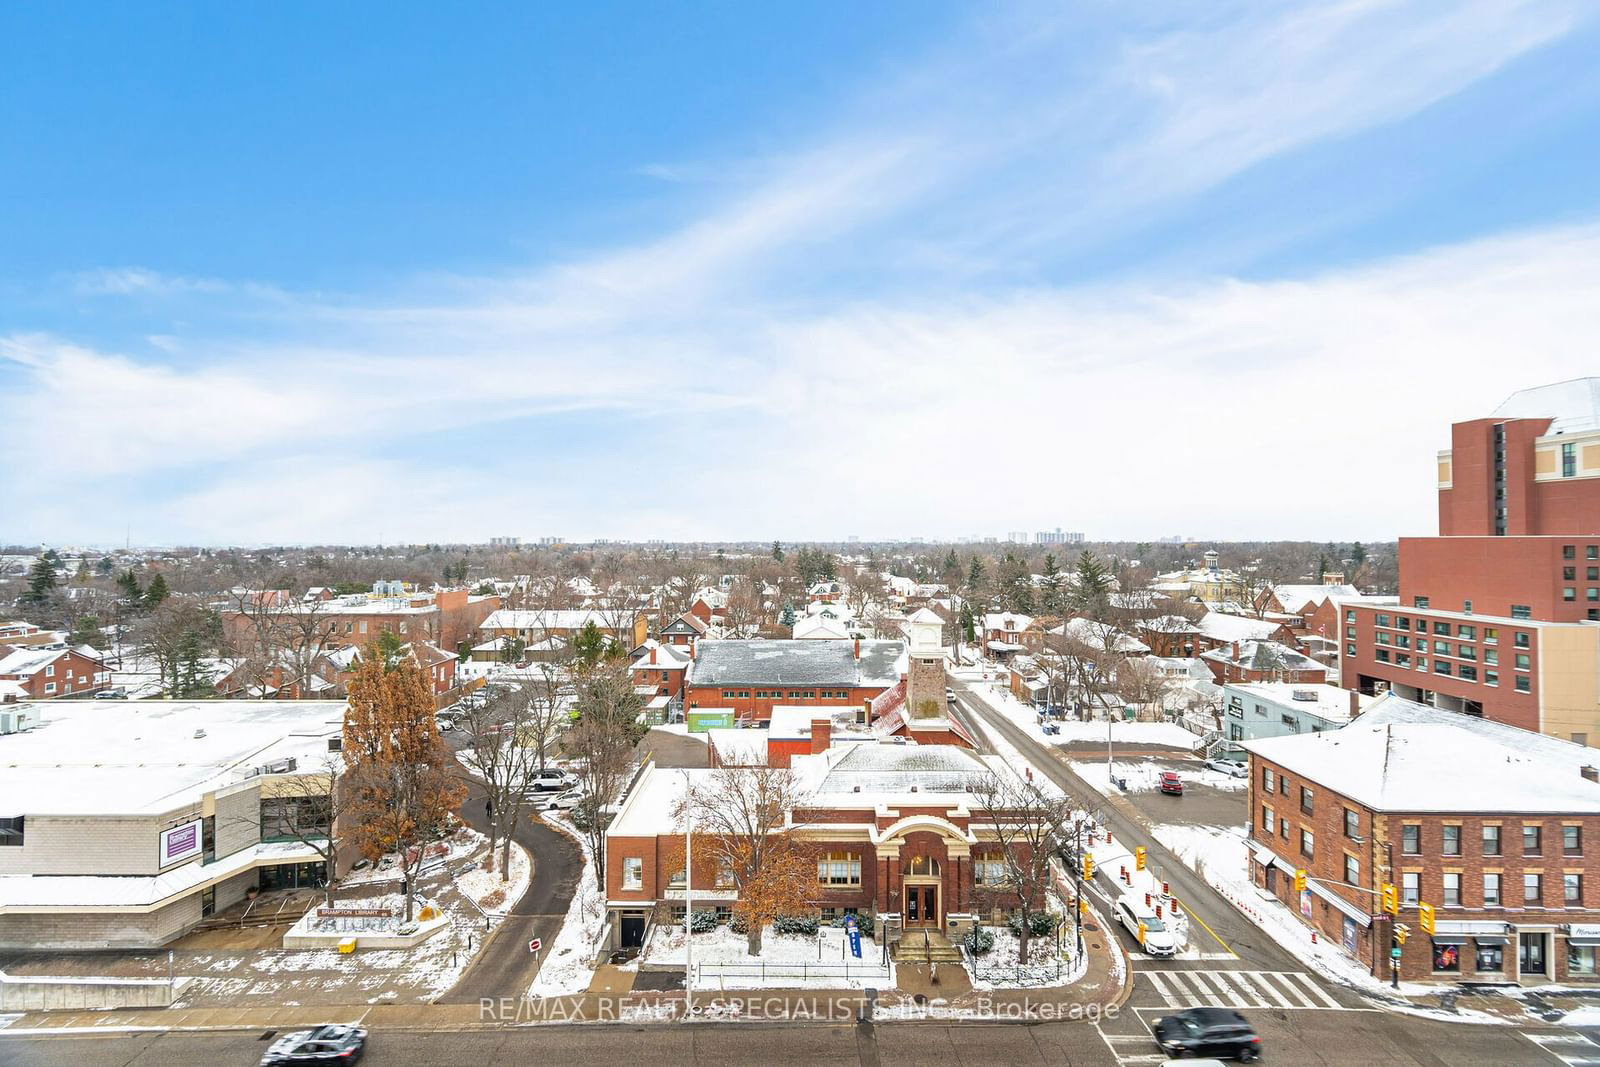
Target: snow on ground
[568, 965]
[806, 961]
[481, 886]
[1000, 698]
[1581, 1017]
[459, 844]
[1143, 775]
[1002, 968]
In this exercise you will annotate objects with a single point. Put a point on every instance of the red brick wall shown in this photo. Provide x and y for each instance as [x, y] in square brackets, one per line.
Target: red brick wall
[1562, 506]
[1495, 573]
[710, 696]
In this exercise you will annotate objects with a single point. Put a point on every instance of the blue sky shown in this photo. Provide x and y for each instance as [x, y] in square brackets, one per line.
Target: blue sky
[300, 273]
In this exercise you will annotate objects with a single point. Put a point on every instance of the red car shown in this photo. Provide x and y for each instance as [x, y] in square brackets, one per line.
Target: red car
[1171, 783]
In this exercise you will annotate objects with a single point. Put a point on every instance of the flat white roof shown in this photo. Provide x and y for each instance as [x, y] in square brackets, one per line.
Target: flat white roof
[104, 757]
[1328, 702]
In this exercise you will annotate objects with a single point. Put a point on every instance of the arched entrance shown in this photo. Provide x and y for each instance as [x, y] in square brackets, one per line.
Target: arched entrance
[925, 859]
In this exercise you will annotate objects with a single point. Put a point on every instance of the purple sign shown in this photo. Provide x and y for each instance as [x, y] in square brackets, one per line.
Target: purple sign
[180, 842]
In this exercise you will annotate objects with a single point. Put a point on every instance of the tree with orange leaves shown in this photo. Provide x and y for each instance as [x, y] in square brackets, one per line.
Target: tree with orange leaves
[403, 780]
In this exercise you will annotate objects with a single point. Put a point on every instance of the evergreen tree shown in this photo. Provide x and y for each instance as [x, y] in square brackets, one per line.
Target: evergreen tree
[1050, 587]
[189, 680]
[389, 647]
[132, 593]
[1092, 596]
[777, 551]
[787, 618]
[1322, 566]
[105, 566]
[1358, 553]
[969, 629]
[974, 577]
[41, 582]
[590, 645]
[156, 592]
[951, 563]
[86, 631]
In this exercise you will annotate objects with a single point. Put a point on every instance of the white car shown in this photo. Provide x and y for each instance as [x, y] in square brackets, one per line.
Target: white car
[1228, 766]
[564, 801]
[551, 780]
[1158, 937]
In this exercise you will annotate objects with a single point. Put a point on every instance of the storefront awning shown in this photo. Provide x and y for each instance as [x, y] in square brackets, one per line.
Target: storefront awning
[1491, 939]
[1584, 942]
[1449, 939]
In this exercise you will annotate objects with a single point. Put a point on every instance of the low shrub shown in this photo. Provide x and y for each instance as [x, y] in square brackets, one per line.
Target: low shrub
[797, 924]
[1040, 924]
[703, 922]
[979, 941]
[864, 922]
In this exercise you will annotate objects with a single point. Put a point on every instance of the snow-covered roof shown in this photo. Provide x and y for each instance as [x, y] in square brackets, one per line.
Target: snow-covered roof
[1007, 621]
[511, 619]
[818, 628]
[1327, 702]
[1222, 627]
[1402, 756]
[98, 757]
[866, 772]
[1098, 635]
[1264, 656]
[26, 661]
[1296, 598]
[925, 615]
[823, 663]
[1573, 405]
[739, 748]
[667, 658]
[793, 722]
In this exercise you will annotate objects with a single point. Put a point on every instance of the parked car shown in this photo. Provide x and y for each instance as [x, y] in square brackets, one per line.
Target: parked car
[1171, 783]
[325, 1044]
[1228, 766]
[551, 780]
[564, 801]
[1220, 1032]
[111, 694]
[1051, 728]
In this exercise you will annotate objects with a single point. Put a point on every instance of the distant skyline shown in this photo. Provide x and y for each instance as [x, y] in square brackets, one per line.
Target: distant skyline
[300, 274]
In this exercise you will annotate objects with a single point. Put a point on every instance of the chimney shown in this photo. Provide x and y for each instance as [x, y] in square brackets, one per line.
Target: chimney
[1235, 656]
[1355, 702]
[1589, 773]
[821, 735]
[858, 648]
[652, 654]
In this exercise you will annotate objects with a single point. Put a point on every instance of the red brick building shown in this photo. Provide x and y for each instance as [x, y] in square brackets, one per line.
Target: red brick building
[1262, 661]
[752, 677]
[1492, 826]
[895, 832]
[46, 673]
[661, 670]
[1495, 616]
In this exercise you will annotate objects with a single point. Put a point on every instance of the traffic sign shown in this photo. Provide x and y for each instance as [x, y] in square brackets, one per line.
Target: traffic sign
[534, 944]
[1394, 953]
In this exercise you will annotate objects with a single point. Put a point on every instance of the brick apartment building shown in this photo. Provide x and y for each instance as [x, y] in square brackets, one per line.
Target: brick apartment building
[446, 618]
[1498, 615]
[1493, 826]
[753, 677]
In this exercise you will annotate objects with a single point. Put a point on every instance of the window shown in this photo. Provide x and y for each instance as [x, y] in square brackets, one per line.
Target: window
[1446, 956]
[1451, 840]
[1490, 957]
[632, 872]
[1381, 620]
[1468, 632]
[1491, 890]
[1402, 622]
[1572, 836]
[1468, 672]
[1466, 652]
[990, 872]
[1352, 823]
[1283, 785]
[1491, 677]
[1521, 611]
[1491, 657]
[1569, 551]
[291, 818]
[1352, 870]
[1491, 635]
[1452, 890]
[844, 868]
[1267, 779]
[1522, 684]
[1491, 840]
[1580, 959]
[1521, 661]
[1572, 890]
[1569, 464]
[922, 865]
[1419, 602]
[1466, 609]
[1441, 667]
[679, 879]
[724, 873]
[1306, 843]
[1411, 887]
[1411, 839]
[11, 831]
[1520, 639]
[1441, 628]
[1305, 799]
[1441, 648]
[1266, 819]
[1532, 839]
[1532, 889]
[1568, 594]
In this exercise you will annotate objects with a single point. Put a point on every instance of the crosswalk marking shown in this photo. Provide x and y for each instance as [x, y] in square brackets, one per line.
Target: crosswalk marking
[1239, 989]
[1574, 1049]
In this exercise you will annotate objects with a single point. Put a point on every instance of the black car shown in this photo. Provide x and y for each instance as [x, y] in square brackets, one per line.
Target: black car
[1215, 1032]
[326, 1044]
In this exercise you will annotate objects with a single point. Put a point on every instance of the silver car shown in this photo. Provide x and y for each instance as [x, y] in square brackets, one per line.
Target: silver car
[1228, 766]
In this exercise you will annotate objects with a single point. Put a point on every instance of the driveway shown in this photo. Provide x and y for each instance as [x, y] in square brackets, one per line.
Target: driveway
[505, 967]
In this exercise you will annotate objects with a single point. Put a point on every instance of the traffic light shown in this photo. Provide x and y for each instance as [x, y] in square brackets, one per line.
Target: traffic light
[1425, 918]
[1300, 880]
[1141, 931]
[1391, 899]
[1400, 932]
[1138, 858]
[1083, 905]
[1088, 868]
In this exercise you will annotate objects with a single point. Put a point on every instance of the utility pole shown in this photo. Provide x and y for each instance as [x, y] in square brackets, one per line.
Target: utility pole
[688, 895]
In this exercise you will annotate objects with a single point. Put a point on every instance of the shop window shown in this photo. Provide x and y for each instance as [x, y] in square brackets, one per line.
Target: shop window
[1580, 959]
[1490, 958]
[11, 831]
[1446, 956]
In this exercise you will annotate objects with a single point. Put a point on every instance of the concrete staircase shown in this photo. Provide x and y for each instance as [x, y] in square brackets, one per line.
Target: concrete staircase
[924, 946]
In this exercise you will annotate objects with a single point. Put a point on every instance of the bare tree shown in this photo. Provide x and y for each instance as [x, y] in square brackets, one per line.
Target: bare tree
[1030, 826]
[1140, 681]
[602, 743]
[743, 613]
[499, 757]
[744, 823]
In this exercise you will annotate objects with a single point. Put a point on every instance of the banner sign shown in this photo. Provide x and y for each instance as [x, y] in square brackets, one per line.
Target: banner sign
[179, 843]
[853, 929]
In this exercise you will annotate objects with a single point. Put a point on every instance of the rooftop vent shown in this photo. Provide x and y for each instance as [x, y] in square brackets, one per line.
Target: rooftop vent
[198, 734]
[1590, 773]
[1306, 694]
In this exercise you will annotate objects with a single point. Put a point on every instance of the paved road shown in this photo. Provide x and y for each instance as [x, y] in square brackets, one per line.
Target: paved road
[1346, 1038]
[505, 968]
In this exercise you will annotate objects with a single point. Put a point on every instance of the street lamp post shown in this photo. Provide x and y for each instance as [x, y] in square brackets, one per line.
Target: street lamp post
[688, 895]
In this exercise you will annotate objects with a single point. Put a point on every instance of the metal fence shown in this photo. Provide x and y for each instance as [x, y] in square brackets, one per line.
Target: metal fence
[805, 971]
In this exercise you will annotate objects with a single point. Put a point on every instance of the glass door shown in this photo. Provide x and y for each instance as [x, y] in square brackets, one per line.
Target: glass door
[1530, 954]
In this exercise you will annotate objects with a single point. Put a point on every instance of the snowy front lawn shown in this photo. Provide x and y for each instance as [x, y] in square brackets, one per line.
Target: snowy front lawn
[1002, 966]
